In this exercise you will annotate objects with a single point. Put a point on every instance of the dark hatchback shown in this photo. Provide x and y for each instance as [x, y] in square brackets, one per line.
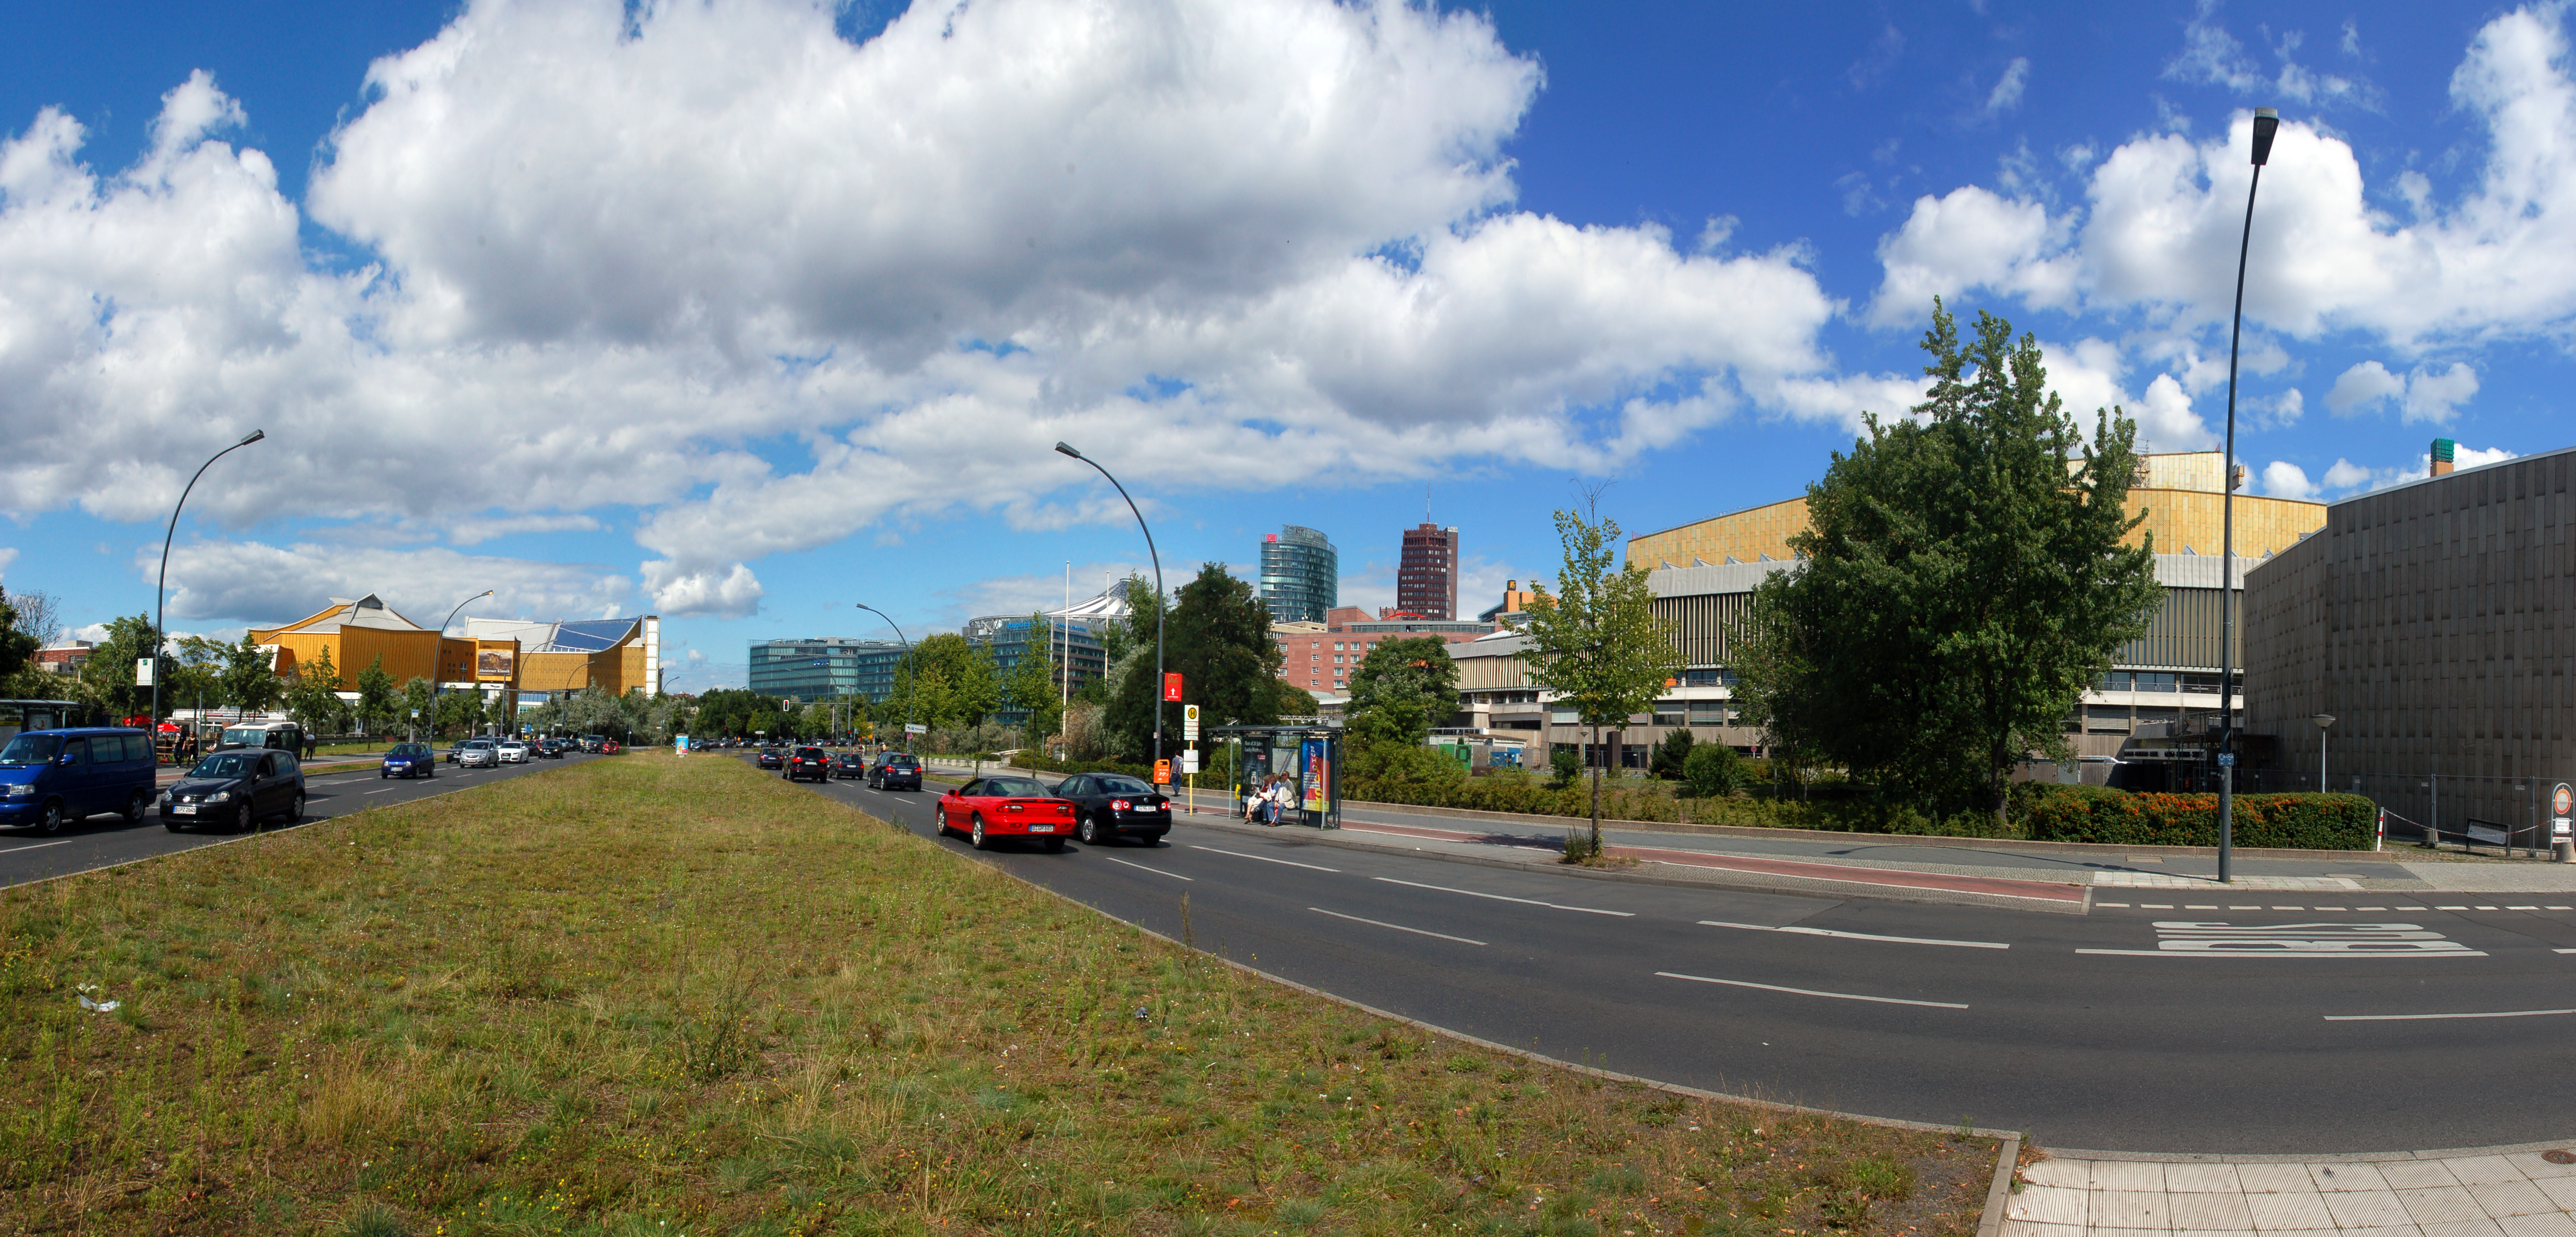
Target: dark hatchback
[850, 764]
[895, 771]
[1114, 805]
[771, 758]
[235, 789]
[409, 760]
[807, 762]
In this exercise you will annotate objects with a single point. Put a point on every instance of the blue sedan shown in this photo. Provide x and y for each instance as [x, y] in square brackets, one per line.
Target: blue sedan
[409, 760]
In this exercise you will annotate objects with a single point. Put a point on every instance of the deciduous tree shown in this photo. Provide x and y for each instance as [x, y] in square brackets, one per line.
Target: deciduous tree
[1594, 641]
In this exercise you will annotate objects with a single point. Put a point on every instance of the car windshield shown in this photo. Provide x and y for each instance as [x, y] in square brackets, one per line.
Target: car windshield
[31, 749]
[230, 764]
[1014, 787]
[904, 761]
[478, 743]
[247, 736]
[404, 749]
[1119, 784]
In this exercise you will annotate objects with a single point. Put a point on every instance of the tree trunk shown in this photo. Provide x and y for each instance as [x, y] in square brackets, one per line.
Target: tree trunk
[1999, 788]
[1598, 754]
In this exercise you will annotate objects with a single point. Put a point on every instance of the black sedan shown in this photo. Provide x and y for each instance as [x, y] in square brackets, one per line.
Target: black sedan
[850, 764]
[895, 771]
[772, 758]
[808, 762]
[236, 789]
[1114, 805]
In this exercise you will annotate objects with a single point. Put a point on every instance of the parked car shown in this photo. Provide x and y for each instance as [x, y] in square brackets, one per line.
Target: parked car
[771, 758]
[805, 762]
[591, 742]
[1005, 806]
[51, 778]
[513, 752]
[270, 736]
[895, 771]
[611, 746]
[236, 788]
[478, 754]
[1114, 805]
[551, 749]
[850, 764]
[408, 760]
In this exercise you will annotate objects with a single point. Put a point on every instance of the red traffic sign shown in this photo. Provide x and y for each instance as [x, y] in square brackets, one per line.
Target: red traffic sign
[1172, 687]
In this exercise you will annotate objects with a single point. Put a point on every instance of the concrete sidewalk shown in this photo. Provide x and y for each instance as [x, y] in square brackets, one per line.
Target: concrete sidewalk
[2493, 1192]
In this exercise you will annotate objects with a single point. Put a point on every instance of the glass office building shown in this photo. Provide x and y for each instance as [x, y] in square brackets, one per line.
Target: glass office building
[1300, 575]
[824, 668]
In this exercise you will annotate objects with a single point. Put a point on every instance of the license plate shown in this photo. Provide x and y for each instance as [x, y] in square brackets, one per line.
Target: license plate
[1041, 828]
[183, 809]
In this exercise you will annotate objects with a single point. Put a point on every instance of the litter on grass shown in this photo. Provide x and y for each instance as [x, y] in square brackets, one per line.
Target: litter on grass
[93, 1004]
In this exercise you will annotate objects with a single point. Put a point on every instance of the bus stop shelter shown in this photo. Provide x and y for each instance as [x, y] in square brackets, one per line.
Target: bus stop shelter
[1310, 753]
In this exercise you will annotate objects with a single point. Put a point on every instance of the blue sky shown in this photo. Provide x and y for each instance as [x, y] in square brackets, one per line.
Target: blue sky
[741, 312]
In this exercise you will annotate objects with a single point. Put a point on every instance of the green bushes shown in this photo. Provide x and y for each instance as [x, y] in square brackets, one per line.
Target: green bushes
[1712, 771]
[2117, 817]
[1042, 764]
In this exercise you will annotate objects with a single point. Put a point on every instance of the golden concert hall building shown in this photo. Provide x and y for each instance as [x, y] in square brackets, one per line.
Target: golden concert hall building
[526, 658]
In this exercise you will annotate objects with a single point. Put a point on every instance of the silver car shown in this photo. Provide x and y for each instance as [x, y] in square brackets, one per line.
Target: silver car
[478, 754]
[514, 753]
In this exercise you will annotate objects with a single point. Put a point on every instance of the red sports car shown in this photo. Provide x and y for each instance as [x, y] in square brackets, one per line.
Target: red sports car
[999, 807]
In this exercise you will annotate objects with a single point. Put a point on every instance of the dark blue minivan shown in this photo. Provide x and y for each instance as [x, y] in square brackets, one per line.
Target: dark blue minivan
[49, 778]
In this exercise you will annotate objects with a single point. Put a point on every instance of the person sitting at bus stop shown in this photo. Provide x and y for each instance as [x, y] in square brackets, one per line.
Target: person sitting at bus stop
[1279, 795]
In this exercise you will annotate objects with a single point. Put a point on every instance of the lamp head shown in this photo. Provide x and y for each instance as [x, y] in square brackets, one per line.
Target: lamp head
[2323, 720]
[1066, 448]
[2266, 123]
[255, 436]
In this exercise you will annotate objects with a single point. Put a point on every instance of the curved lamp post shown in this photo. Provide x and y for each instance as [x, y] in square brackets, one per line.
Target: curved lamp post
[2266, 123]
[912, 688]
[2322, 720]
[1159, 606]
[437, 685]
[161, 585]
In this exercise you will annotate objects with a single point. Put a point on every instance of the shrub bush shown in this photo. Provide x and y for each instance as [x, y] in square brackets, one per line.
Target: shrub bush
[1712, 771]
[1045, 764]
[2120, 818]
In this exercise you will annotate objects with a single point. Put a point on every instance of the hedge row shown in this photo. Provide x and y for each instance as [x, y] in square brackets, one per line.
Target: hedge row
[2119, 817]
[1042, 764]
[1844, 812]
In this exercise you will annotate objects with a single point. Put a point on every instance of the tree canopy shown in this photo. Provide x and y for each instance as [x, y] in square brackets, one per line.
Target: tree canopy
[1964, 580]
[1218, 639]
[1594, 640]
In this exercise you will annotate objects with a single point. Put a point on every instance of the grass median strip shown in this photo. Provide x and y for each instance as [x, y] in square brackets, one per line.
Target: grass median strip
[678, 997]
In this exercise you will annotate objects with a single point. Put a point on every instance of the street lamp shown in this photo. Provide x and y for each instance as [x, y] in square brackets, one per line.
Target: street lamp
[437, 685]
[912, 690]
[2322, 720]
[1159, 606]
[161, 585]
[2266, 123]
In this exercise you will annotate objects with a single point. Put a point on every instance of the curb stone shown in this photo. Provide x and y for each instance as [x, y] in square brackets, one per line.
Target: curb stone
[1999, 1191]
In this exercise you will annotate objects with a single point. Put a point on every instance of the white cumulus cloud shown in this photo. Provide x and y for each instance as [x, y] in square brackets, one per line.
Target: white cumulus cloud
[2424, 394]
[2283, 479]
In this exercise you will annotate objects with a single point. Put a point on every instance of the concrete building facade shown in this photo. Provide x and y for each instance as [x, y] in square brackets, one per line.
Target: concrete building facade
[2436, 623]
[1321, 657]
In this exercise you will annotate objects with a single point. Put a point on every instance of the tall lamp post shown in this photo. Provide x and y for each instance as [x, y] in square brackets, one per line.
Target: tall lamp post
[2322, 720]
[1159, 606]
[161, 585]
[912, 690]
[437, 685]
[2266, 123]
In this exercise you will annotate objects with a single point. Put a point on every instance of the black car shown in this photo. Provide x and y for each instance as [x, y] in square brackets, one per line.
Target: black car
[236, 789]
[771, 758]
[807, 762]
[553, 749]
[1113, 805]
[850, 764]
[895, 771]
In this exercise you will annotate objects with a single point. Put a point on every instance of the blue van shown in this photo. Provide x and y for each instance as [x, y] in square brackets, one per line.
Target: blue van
[49, 778]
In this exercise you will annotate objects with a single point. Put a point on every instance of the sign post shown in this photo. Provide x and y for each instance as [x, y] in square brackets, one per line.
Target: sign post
[2562, 819]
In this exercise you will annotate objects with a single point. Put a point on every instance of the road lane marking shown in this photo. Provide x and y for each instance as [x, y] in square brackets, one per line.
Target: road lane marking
[1554, 906]
[39, 845]
[1839, 996]
[1397, 926]
[2178, 938]
[2508, 1013]
[1859, 936]
[1142, 868]
[1267, 859]
[386, 791]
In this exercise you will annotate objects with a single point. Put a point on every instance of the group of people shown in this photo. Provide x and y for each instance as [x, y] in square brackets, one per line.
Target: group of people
[1274, 796]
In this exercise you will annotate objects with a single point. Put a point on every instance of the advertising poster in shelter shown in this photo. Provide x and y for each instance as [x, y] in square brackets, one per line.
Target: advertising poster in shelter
[1317, 777]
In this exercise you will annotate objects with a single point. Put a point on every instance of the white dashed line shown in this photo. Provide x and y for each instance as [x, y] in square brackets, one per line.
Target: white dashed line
[1142, 868]
[2509, 1013]
[1381, 924]
[1267, 859]
[1502, 898]
[1858, 936]
[1839, 996]
[38, 846]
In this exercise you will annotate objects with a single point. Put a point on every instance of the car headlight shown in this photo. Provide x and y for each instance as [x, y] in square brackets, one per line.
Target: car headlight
[217, 797]
[19, 790]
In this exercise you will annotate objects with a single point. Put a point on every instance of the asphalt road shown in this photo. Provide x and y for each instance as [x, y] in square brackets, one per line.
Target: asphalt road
[105, 841]
[2380, 1033]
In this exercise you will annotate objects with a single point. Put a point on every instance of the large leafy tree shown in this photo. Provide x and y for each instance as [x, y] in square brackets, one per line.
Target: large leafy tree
[1218, 641]
[314, 699]
[1032, 683]
[1964, 580]
[107, 678]
[1594, 641]
[416, 706]
[1402, 689]
[17, 642]
[250, 678]
[375, 696]
[945, 683]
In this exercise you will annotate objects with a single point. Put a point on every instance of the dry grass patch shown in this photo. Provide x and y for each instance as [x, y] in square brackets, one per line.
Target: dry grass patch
[659, 996]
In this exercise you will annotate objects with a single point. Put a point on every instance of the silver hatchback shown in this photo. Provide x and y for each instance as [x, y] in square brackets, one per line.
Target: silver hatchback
[478, 753]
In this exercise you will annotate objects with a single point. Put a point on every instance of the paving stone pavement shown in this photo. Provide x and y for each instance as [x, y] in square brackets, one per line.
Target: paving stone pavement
[2494, 1194]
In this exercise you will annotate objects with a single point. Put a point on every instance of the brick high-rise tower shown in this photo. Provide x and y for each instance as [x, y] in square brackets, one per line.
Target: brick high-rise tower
[1426, 577]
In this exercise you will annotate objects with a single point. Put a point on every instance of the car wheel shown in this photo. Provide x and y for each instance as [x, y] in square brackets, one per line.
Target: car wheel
[382, 775]
[295, 808]
[939, 819]
[980, 841]
[242, 820]
[1055, 846]
[51, 822]
[1088, 831]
